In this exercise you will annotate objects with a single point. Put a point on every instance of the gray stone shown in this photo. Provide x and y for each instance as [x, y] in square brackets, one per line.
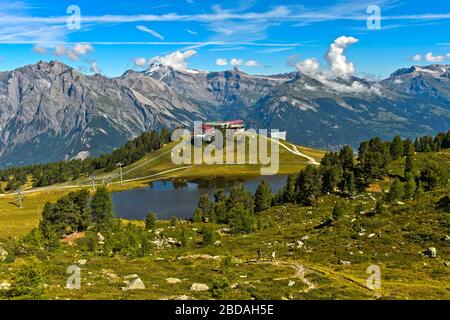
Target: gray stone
[173, 280]
[199, 287]
[3, 254]
[5, 285]
[82, 262]
[135, 284]
[431, 252]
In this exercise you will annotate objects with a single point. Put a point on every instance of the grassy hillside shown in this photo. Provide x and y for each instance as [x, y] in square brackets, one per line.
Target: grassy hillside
[15, 221]
[327, 263]
[150, 167]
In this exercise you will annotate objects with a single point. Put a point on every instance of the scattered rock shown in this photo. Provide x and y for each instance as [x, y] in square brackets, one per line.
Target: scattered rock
[217, 243]
[134, 284]
[305, 238]
[101, 239]
[199, 287]
[446, 263]
[371, 235]
[131, 276]
[5, 285]
[173, 280]
[300, 244]
[82, 262]
[446, 238]
[344, 262]
[183, 297]
[3, 254]
[291, 283]
[431, 252]
[111, 276]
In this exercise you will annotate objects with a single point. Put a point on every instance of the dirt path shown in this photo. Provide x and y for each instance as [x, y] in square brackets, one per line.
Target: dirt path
[299, 271]
[295, 151]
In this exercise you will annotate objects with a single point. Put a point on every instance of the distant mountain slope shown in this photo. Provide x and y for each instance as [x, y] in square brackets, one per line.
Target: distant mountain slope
[49, 111]
[349, 111]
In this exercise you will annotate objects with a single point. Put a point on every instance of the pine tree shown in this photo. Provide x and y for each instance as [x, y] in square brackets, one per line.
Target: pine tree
[410, 187]
[379, 207]
[101, 209]
[150, 221]
[409, 164]
[396, 191]
[419, 191]
[263, 196]
[430, 176]
[396, 148]
[338, 210]
[288, 192]
[207, 207]
[308, 185]
[347, 158]
[198, 215]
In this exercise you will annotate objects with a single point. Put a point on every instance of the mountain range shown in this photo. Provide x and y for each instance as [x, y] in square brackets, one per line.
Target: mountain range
[50, 111]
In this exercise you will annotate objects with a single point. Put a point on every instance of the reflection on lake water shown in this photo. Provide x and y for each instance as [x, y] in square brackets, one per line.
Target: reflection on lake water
[179, 198]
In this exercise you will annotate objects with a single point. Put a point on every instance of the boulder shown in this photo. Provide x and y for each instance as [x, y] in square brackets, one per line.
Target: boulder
[3, 254]
[291, 283]
[135, 284]
[82, 262]
[199, 287]
[173, 280]
[5, 285]
[431, 252]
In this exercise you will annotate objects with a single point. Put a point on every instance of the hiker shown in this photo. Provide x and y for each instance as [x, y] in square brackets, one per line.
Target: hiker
[259, 254]
[273, 255]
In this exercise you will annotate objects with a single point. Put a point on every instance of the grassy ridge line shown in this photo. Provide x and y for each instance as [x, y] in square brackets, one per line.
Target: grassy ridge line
[15, 221]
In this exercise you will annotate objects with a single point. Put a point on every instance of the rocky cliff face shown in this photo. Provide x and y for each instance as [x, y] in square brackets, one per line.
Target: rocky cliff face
[49, 111]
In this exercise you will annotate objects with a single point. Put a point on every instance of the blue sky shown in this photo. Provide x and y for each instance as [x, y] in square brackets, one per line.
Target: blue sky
[258, 36]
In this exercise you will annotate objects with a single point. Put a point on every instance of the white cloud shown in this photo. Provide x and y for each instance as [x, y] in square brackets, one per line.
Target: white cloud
[236, 62]
[175, 60]
[60, 50]
[191, 31]
[78, 50]
[94, 67]
[251, 63]
[140, 62]
[221, 62]
[417, 57]
[82, 48]
[429, 57]
[309, 66]
[339, 66]
[39, 49]
[150, 31]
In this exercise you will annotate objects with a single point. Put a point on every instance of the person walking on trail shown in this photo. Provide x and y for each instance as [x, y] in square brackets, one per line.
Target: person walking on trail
[273, 255]
[259, 252]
